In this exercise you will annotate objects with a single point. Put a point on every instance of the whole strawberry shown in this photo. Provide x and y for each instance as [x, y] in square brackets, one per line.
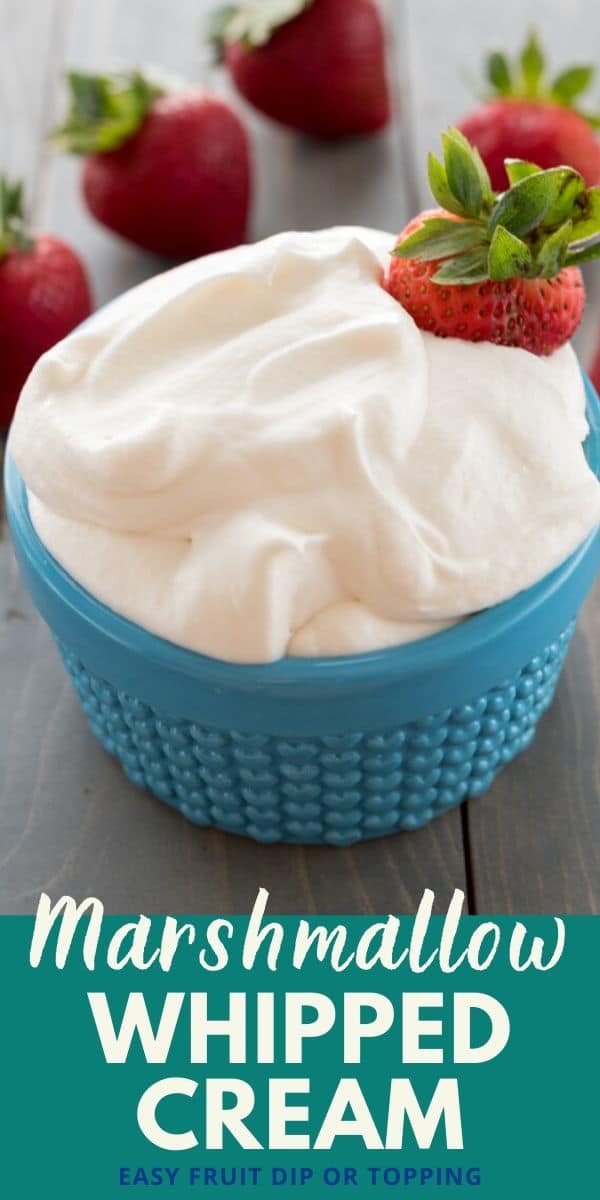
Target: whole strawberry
[502, 269]
[168, 171]
[527, 116]
[314, 65]
[44, 294]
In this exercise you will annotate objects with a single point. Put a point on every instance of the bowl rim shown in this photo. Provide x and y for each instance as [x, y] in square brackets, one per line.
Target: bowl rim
[423, 657]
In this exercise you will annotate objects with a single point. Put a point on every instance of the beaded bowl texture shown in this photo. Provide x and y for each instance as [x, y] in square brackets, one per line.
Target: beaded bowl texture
[330, 750]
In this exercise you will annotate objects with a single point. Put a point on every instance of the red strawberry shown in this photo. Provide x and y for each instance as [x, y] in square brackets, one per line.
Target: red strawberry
[544, 133]
[315, 65]
[528, 117]
[497, 269]
[170, 172]
[44, 294]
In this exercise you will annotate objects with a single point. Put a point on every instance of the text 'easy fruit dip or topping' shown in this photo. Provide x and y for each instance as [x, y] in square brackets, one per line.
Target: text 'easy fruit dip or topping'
[260, 453]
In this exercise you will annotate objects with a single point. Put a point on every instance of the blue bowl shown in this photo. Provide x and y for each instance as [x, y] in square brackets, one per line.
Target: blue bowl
[324, 750]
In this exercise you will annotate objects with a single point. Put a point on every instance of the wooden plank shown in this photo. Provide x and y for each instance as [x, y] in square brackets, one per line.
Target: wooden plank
[69, 820]
[31, 40]
[534, 841]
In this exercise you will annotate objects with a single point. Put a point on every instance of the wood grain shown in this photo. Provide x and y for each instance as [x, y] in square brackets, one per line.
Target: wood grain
[31, 41]
[69, 820]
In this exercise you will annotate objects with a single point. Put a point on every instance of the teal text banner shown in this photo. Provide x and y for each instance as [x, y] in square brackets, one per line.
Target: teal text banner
[348, 1069]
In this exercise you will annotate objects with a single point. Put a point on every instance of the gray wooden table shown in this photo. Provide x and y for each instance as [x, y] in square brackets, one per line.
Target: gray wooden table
[69, 820]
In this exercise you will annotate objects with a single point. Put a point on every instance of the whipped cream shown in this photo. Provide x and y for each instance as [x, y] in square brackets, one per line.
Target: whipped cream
[259, 454]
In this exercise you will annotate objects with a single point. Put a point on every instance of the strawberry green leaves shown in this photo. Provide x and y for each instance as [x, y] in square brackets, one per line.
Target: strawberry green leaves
[544, 221]
[532, 65]
[253, 24]
[569, 85]
[13, 230]
[543, 196]
[105, 111]
[527, 78]
[440, 188]
[440, 237]
[572, 83]
[461, 185]
[553, 252]
[467, 177]
[568, 186]
[462, 175]
[586, 221]
[508, 255]
[517, 169]
[470, 267]
[498, 73]
[582, 252]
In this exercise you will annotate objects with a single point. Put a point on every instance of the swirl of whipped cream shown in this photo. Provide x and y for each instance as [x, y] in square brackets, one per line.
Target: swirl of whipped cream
[259, 454]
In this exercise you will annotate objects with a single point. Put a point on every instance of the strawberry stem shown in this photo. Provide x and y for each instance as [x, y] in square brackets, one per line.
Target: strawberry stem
[252, 24]
[104, 112]
[216, 29]
[13, 230]
[546, 220]
[527, 79]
